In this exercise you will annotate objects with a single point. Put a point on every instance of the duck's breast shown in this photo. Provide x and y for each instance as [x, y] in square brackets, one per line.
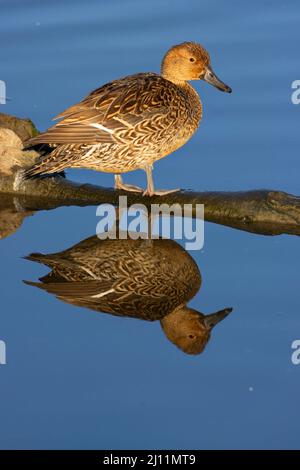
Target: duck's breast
[185, 114]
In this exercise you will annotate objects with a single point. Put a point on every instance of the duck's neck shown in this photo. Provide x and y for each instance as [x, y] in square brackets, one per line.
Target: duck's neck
[169, 76]
[180, 83]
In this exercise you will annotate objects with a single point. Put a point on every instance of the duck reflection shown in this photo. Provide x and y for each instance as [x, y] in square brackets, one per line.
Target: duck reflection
[145, 279]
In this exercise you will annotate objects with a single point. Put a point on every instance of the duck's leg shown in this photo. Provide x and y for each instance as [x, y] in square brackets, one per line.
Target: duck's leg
[150, 185]
[126, 187]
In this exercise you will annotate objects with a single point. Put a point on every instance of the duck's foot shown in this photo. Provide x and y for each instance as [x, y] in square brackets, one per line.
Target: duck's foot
[159, 192]
[126, 187]
[130, 187]
[150, 191]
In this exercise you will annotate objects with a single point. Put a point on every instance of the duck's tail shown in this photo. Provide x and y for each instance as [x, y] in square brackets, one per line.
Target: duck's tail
[49, 164]
[37, 140]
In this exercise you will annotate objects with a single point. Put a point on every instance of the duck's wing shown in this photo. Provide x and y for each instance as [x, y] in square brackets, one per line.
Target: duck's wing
[75, 289]
[115, 112]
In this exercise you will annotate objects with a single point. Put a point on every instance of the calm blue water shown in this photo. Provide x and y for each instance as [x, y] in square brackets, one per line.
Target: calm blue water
[79, 379]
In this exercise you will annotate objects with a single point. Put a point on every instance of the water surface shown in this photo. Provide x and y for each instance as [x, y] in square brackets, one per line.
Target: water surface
[76, 378]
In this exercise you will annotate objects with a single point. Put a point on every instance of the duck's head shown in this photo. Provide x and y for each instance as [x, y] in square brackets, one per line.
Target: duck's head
[190, 61]
[190, 330]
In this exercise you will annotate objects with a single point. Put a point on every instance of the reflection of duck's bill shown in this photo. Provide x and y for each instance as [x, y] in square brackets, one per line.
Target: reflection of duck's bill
[214, 318]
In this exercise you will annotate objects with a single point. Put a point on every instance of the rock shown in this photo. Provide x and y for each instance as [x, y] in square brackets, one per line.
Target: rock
[9, 139]
[24, 128]
[12, 155]
[12, 159]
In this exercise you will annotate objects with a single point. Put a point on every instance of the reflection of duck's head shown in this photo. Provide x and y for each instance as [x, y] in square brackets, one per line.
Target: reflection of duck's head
[190, 330]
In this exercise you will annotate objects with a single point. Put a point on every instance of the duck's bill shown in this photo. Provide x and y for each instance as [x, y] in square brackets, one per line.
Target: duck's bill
[210, 77]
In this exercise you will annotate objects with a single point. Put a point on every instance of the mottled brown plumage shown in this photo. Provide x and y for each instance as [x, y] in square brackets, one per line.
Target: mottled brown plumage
[145, 279]
[130, 123]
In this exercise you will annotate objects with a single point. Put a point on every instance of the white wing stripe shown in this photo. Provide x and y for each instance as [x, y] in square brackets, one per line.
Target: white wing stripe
[102, 294]
[102, 128]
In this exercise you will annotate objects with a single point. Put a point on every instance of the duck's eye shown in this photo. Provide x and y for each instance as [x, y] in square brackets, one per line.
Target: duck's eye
[192, 336]
[192, 59]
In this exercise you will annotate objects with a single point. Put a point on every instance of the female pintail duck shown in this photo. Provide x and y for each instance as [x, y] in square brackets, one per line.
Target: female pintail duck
[130, 123]
[133, 278]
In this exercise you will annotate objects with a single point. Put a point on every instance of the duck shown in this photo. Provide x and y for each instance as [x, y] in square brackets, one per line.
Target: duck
[130, 123]
[136, 279]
